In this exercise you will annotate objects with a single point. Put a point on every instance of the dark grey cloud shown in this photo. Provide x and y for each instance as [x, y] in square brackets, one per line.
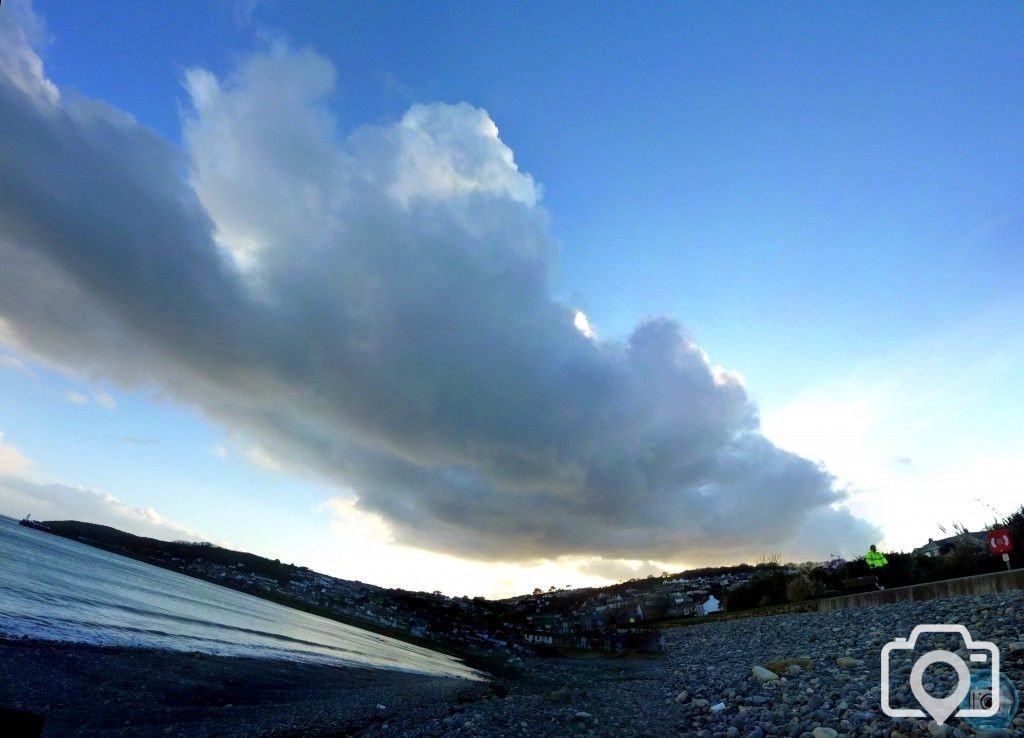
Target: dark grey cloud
[377, 307]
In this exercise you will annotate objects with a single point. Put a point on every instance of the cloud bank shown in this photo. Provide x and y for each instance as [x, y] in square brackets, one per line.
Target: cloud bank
[60, 502]
[376, 307]
[12, 460]
[22, 492]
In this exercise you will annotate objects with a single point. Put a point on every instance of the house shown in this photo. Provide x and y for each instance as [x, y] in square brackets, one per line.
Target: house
[711, 605]
[946, 546]
[593, 621]
[615, 613]
[552, 623]
[682, 604]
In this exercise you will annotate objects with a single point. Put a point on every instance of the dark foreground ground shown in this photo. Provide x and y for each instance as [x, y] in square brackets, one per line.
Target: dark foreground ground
[704, 687]
[85, 690]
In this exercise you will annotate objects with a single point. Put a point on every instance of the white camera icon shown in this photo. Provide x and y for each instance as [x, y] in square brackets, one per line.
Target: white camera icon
[983, 652]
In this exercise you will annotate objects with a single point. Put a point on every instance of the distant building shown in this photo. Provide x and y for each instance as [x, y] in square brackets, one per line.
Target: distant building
[946, 546]
[711, 605]
[681, 605]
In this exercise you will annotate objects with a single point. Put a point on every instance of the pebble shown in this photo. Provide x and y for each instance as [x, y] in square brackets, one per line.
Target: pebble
[763, 675]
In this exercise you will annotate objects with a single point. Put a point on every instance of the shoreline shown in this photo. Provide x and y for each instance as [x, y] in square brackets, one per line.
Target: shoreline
[476, 658]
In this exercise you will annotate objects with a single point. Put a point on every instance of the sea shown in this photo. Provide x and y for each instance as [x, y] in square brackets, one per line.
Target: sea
[55, 589]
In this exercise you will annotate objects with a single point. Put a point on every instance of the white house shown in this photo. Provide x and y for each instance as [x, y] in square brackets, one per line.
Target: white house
[712, 605]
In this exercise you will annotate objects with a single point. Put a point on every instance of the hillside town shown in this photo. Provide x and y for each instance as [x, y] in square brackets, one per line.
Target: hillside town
[565, 617]
[615, 618]
[610, 618]
[548, 615]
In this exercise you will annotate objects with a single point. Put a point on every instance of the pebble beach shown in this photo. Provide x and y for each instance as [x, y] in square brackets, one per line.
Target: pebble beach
[717, 680]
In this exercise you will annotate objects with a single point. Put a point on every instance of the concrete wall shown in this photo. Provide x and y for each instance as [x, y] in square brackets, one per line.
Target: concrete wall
[978, 585]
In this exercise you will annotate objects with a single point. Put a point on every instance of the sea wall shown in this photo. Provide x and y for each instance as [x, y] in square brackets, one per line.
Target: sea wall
[981, 584]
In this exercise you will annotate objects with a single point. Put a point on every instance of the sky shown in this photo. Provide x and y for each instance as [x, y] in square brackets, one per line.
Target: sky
[483, 298]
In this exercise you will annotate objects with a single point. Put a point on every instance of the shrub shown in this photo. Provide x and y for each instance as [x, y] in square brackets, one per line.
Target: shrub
[1015, 522]
[806, 584]
[802, 587]
[764, 589]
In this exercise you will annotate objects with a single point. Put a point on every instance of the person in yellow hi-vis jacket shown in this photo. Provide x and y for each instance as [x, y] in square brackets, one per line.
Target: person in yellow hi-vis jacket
[877, 562]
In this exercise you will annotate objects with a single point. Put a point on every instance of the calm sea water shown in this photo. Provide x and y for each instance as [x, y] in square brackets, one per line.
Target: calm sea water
[55, 589]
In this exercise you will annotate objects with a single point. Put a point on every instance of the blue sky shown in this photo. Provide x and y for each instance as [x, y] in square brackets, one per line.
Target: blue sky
[826, 198]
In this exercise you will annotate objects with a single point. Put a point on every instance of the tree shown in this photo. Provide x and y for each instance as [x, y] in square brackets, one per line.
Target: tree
[770, 559]
[1015, 522]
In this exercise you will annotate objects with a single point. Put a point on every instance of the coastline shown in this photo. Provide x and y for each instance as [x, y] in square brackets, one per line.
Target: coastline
[475, 658]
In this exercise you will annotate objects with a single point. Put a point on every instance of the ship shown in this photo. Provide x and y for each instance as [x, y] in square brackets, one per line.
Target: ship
[28, 522]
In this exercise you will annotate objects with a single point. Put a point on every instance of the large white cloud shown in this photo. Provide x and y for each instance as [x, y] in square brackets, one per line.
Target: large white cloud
[376, 307]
